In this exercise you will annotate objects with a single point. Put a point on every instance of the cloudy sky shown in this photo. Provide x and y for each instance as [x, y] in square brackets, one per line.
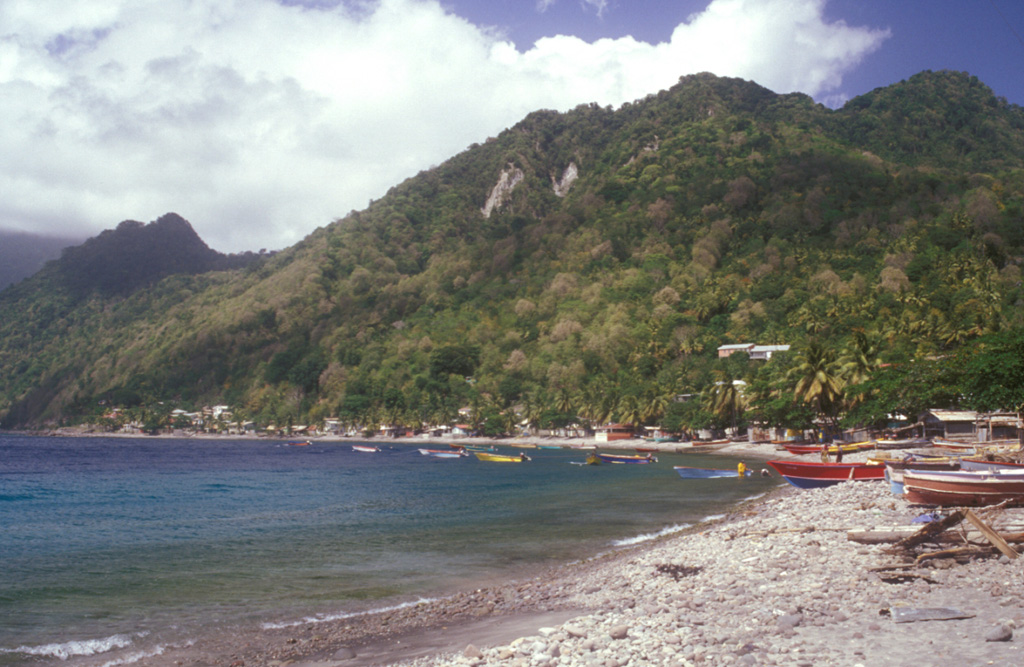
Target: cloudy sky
[260, 120]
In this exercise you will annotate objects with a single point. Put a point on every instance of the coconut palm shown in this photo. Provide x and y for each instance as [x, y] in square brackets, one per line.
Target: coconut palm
[817, 380]
[725, 398]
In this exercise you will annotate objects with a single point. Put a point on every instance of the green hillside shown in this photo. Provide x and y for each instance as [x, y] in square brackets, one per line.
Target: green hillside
[624, 248]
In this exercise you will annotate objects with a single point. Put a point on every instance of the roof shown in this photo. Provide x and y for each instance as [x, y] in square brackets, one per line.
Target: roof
[770, 348]
[953, 415]
[736, 346]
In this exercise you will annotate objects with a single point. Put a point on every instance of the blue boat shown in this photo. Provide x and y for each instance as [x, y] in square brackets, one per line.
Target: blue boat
[687, 472]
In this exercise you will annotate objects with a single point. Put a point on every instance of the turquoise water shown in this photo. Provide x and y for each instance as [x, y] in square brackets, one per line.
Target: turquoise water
[113, 547]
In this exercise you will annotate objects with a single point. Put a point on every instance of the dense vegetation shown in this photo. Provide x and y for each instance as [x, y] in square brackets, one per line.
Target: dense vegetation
[882, 241]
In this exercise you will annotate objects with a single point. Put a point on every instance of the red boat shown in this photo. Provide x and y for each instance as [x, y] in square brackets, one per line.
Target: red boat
[963, 487]
[812, 474]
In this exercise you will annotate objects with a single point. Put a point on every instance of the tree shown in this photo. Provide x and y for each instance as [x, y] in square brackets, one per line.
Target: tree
[817, 381]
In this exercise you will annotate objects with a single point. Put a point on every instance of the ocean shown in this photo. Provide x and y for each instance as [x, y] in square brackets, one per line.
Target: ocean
[114, 549]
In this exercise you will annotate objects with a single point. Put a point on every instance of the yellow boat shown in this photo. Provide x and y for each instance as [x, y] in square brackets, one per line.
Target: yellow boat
[501, 458]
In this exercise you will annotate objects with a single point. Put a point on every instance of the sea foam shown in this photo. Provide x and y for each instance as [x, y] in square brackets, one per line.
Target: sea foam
[327, 618]
[74, 648]
[647, 537]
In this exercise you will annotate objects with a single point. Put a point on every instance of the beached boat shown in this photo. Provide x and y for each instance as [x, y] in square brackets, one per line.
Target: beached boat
[902, 443]
[444, 453]
[963, 487]
[848, 448]
[969, 463]
[627, 458]
[688, 472]
[368, 449]
[894, 469]
[813, 474]
[501, 458]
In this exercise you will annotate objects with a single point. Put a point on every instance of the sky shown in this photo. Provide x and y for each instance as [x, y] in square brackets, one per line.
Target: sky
[261, 120]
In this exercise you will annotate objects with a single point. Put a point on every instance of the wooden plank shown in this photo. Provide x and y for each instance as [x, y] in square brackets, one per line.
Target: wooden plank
[991, 535]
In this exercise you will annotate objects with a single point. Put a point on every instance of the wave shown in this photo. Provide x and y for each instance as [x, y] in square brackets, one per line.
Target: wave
[647, 537]
[77, 647]
[326, 618]
[134, 657]
[712, 517]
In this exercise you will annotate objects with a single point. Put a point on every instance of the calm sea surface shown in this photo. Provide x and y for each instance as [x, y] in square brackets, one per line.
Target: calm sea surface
[111, 548]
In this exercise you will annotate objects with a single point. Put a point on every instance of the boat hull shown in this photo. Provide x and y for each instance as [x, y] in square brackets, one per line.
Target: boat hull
[365, 449]
[972, 488]
[626, 458]
[687, 472]
[812, 475]
[500, 458]
[442, 453]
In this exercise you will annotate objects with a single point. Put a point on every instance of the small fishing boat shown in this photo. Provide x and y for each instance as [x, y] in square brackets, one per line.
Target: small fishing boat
[477, 448]
[592, 460]
[688, 472]
[970, 463]
[627, 458]
[902, 443]
[894, 469]
[645, 450]
[964, 487]
[444, 453]
[501, 458]
[298, 443]
[812, 474]
[369, 449]
[832, 449]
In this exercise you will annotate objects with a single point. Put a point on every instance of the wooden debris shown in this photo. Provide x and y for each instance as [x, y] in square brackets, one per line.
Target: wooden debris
[991, 535]
[959, 553]
[880, 535]
[930, 531]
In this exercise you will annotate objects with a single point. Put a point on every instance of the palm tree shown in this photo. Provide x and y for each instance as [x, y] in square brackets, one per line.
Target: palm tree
[725, 398]
[818, 381]
[630, 411]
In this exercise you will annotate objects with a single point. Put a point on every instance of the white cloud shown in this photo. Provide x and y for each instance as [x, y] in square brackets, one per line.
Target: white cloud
[260, 121]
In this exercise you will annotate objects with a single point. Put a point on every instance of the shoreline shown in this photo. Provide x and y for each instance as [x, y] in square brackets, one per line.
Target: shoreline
[773, 582]
[754, 450]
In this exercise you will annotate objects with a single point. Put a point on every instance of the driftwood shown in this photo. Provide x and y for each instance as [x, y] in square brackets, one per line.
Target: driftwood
[991, 535]
[929, 532]
[958, 553]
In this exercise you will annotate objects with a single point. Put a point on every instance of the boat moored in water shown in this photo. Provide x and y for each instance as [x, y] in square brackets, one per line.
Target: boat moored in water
[627, 458]
[689, 472]
[368, 449]
[501, 458]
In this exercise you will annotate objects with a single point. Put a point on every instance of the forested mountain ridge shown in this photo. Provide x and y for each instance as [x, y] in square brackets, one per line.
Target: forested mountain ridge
[585, 263]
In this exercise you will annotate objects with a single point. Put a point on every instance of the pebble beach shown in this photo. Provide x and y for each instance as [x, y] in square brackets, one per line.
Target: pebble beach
[775, 581]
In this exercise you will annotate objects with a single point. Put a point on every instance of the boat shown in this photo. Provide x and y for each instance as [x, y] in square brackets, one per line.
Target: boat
[972, 488]
[895, 468]
[971, 463]
[501, 458]
[476, 448]
[645, 450]
[627, 458]
[444, 453]
[813, 474]
[299, 443]
[592, 460]
[365, 448]
[902, 443]
[832, 449]
[689, 472]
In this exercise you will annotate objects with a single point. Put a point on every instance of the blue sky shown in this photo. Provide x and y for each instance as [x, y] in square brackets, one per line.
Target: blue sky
[260, 120]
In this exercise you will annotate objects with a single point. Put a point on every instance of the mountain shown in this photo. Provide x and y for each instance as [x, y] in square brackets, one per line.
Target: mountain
[23, 254]
[582, 263]
[136, 255]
